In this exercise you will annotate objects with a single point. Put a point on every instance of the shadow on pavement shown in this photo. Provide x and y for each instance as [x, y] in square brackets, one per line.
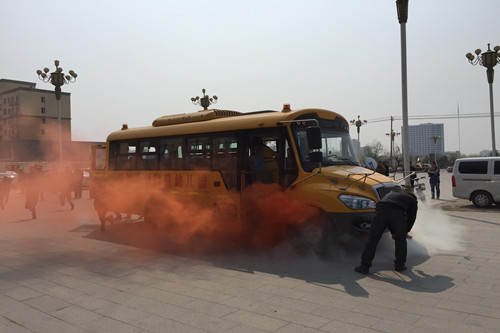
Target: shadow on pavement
[333, 271]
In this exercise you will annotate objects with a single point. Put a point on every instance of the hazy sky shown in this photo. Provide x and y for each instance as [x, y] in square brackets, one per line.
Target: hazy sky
[138, 60]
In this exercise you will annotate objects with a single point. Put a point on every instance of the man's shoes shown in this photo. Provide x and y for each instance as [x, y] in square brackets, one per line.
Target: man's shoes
[399, 268]
[362, 269]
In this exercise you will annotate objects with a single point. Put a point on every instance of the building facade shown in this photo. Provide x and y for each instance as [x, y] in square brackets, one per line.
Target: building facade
[29, 129]
[426, 139]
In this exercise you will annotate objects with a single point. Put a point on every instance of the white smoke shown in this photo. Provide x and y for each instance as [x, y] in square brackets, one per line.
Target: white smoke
[435, 232]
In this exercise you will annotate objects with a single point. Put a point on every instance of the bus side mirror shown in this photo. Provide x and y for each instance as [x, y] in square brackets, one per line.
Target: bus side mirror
[314, 137]
[315, 156]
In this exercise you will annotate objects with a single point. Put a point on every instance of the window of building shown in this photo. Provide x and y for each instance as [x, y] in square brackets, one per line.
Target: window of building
[43, 132]
[43, 99]
[43, 120]
[43, 110]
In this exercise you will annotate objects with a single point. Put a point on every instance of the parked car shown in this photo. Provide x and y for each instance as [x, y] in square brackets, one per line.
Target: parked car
[9, 174]
[477, 179]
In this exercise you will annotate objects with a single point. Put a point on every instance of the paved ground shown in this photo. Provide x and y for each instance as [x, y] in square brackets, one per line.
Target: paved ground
[60, 274]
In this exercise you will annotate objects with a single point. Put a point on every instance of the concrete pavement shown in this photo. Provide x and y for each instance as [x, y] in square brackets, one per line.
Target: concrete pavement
[60, 274]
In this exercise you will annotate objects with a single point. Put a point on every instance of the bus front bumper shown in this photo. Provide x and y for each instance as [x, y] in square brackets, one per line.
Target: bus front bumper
[354, 223]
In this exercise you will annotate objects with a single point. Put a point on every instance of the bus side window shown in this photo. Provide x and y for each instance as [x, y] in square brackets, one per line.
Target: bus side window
[225, 159]
[264, 152]
[199, 153]
[291, 170]
[113, 155]
[127, 157]
[149, 155]
[171, 154]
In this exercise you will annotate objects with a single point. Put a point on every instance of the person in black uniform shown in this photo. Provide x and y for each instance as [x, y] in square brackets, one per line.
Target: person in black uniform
[396, 211]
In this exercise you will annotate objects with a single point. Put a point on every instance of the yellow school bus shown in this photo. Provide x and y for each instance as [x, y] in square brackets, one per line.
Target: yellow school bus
[208, 156]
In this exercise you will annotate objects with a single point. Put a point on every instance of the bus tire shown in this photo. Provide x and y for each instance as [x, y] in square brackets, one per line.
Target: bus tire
[152, 212]
[315, 234]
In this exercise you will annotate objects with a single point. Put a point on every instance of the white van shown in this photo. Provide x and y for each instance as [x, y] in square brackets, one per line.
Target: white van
[478, 180]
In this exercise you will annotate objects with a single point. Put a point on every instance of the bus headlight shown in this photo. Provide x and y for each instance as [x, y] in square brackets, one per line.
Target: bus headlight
[355, 202]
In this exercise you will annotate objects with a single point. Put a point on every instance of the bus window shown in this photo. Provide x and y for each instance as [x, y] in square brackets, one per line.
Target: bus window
[171, 154]
[149, 155]
[264, 152]
[199, 153]
[113, 155]
[225, 159]
[291, 170]
[337, 147]
[123, 156]
[97, 157]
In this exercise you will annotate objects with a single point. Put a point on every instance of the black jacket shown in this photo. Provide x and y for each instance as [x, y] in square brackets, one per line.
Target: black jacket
[401, 201]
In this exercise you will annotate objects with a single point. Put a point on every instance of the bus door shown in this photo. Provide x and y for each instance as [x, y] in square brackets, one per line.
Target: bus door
[268, 158]
[97, 167]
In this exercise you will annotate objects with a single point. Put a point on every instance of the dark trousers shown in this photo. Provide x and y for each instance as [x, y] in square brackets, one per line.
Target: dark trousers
[395, 220]
[435, 187]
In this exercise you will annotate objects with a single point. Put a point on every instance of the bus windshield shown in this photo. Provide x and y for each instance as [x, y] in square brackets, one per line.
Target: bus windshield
[337, 146]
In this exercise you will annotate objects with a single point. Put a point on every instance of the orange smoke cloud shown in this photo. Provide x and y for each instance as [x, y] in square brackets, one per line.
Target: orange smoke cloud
[266, 216]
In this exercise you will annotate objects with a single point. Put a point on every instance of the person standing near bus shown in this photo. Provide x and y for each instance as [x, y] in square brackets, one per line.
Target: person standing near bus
[380, 168]
[396, 211]
[263, 161]
[434, 181]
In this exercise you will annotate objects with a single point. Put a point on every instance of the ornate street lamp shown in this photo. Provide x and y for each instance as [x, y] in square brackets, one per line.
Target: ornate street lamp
[488, 59]
[58, 79]
[358, 123]
[402, 7]
[204, 101]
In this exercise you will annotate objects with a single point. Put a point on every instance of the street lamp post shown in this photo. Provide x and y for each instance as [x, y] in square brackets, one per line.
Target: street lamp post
[392, 135]
[488, 59]
[58, 79]
[204, 101]
[358, 123]
[435, 138]
[402, 7]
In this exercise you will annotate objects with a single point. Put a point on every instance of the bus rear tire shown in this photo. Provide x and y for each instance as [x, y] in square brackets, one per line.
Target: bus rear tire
[152, 211]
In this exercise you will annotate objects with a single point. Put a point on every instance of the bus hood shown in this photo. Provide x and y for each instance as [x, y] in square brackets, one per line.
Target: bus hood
[353, 173]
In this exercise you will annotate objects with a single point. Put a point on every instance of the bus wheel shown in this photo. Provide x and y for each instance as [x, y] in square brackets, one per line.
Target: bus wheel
[152, 214]
[315, 234]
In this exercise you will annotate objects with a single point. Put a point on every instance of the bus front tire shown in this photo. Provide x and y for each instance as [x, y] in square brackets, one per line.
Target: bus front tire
[315, 234]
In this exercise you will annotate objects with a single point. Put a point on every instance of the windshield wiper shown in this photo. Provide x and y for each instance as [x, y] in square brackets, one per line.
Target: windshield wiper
[348, 160]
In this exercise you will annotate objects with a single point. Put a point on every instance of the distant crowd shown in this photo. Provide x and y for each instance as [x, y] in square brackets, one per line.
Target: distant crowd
[67, 182]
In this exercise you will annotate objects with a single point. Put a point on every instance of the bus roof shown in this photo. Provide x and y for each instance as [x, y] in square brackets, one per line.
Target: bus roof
[210, 121]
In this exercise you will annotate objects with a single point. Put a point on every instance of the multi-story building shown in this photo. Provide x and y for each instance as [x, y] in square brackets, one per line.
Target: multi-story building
[426, 139]
[29, 129]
